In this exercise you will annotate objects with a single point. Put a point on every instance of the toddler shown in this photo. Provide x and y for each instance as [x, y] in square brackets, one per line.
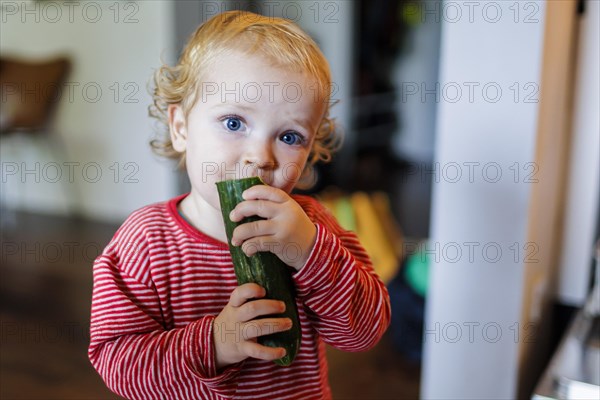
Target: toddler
[249, 96]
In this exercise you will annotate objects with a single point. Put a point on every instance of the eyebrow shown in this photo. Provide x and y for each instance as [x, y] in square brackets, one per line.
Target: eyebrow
[237, 105]
[303, 123]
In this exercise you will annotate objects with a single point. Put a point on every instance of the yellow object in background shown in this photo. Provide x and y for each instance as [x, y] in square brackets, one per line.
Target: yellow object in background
[373, 237]
[370, 217]
[381, 203]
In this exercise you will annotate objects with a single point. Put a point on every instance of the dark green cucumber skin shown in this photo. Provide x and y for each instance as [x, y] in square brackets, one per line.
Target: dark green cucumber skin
[262, 268]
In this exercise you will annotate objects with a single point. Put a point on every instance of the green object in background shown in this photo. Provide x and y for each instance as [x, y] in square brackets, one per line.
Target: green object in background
[411, 13]
[416, 271]
[345, 214]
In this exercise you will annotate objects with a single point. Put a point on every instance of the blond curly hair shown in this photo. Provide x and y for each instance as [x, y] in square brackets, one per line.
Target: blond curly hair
[278, 39]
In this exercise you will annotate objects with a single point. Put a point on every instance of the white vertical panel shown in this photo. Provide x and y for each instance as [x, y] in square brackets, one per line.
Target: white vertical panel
[474, 298]
[583, 182]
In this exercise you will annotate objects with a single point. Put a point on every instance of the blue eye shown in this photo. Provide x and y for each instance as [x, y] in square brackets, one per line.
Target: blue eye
[233, 123]
[291, 138]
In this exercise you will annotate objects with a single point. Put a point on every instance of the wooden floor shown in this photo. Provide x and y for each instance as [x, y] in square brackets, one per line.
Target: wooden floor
[45, 291]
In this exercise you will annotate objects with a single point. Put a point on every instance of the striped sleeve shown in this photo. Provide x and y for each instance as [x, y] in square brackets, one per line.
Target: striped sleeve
[349, 304]
[133, 351]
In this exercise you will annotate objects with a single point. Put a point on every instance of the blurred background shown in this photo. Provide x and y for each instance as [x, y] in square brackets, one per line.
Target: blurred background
[469, 170]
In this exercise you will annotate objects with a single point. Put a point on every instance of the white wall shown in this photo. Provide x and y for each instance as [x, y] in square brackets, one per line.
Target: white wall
[113, 45]
[583, 182]
[474, 300]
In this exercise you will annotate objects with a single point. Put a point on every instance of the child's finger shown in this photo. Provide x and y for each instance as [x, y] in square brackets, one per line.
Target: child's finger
[289, 252]
[265, 326]
[252, 229]
[255, 350]
[253, 309]
[252, 246]
[265, 192]
[245, 292]
[247, 208]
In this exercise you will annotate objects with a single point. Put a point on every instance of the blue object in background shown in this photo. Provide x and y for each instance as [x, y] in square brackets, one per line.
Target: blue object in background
[408, 309]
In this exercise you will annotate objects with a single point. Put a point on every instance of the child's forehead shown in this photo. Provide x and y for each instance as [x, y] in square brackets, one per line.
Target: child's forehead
[248, 73]
[245, 63]
[252, 77]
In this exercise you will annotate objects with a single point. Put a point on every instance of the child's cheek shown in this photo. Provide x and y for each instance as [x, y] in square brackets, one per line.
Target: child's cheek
[289, 177]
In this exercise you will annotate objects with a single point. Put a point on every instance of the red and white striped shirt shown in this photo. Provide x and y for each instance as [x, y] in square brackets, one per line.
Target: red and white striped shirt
[160, 283]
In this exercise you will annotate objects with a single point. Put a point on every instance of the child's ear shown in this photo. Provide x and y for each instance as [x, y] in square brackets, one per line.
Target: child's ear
[177, 127]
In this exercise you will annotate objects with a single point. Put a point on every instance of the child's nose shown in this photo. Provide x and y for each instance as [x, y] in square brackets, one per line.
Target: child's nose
[260, 156]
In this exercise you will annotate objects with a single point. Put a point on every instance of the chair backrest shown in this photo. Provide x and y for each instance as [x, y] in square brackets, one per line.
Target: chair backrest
[29, 92]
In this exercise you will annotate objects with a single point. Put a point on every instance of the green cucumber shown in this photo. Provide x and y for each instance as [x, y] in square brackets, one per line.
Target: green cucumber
[262, 268]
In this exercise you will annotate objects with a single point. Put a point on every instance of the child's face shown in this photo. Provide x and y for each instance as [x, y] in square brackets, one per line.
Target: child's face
[250, 119]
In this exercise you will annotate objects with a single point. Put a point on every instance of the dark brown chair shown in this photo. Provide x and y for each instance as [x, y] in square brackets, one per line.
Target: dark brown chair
[30, 92]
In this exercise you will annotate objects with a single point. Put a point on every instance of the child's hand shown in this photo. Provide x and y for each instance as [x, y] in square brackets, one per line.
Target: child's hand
[235, 329]
[287, 231]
